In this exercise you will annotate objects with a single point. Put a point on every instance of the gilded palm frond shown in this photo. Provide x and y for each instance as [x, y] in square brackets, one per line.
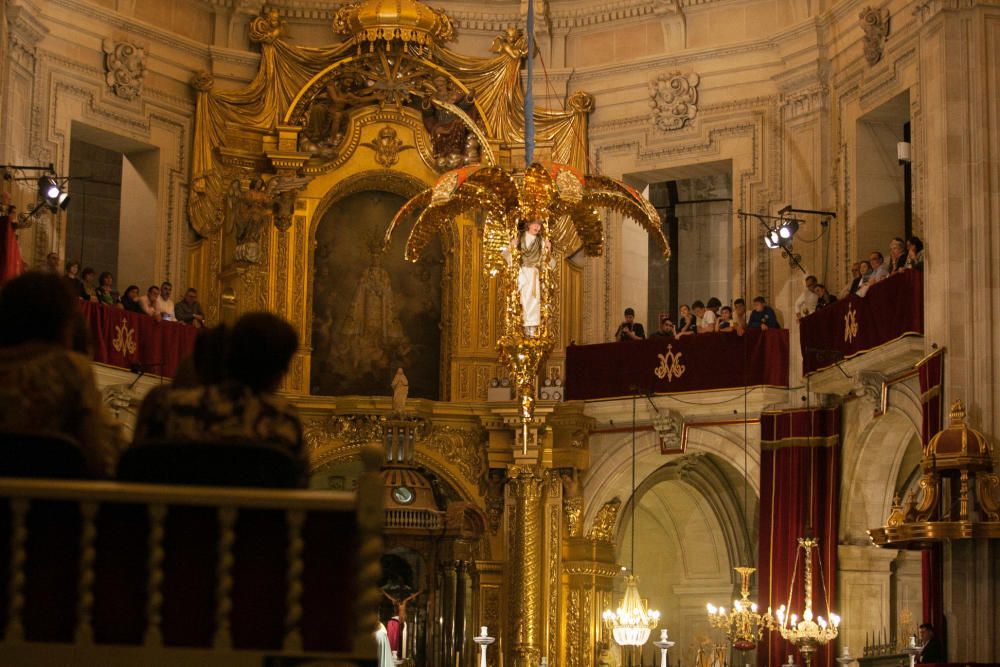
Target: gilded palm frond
[414, 204]
[609, 193]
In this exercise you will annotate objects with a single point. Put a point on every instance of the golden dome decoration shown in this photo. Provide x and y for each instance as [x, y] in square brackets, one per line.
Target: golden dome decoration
[958, 446]
[957, 497]
[385, 22]
[407, 488]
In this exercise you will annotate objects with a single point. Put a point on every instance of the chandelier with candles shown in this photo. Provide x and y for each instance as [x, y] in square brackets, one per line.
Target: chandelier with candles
[743, 624]
[811, 632]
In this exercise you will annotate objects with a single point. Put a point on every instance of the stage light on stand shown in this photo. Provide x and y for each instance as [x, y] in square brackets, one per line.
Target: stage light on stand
[772, 239]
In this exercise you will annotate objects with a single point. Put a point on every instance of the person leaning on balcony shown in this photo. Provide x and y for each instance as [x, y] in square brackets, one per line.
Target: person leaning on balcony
[897, 255]
[915, 253]
[855, 281]
[666, 329]
[706, 318]
[45, 387]
[686, 323]
[879, 270]
[762, 316]
[806, 303]
[823, 297]
[188, 310]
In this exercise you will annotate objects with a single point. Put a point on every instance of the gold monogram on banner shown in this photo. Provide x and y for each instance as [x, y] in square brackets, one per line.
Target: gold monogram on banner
[670, 365]
[850, 324]
[125, 339]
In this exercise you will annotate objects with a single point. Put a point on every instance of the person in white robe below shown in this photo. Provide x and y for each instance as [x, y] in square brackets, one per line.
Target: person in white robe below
[528, 282]
[385, 657]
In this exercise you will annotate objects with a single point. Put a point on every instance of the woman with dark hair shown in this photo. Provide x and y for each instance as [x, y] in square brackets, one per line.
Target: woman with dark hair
[45, 387]
[105, 289]
[130, 300]
[914, 253]
[88, 290]
[237, 403]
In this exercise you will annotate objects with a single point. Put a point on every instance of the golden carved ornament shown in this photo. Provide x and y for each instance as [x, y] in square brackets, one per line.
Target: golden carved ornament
[373, 23]
[508, 201]
[961, 455]
[603, 528]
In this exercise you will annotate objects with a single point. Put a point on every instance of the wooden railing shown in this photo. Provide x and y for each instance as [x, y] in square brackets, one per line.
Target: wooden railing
[107, 569]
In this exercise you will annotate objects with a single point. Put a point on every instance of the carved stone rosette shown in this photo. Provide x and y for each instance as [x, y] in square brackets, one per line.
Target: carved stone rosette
[125, 68]
[673, 98]
[875, 24]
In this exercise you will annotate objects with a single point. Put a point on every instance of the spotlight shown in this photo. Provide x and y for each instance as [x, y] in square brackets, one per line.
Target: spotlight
[772, 240]
[52, 194]
[788, 229]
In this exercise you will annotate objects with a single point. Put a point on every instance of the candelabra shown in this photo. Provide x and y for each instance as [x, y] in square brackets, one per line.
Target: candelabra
[743, 625]
[664, 645]
[483, 640]
[808, 634]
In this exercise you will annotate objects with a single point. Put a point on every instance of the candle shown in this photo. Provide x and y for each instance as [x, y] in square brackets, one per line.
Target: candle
[482, 631]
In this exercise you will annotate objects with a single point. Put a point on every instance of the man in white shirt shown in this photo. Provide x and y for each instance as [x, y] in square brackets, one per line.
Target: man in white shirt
[879, 269]
[706, 318]
[164, 304]
[806, 303]
[148, 301]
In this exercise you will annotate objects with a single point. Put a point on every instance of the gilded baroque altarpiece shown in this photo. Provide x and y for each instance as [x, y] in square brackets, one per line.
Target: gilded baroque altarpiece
[326, 135]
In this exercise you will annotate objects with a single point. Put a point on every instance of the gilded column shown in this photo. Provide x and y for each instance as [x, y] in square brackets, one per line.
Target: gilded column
[524, 490]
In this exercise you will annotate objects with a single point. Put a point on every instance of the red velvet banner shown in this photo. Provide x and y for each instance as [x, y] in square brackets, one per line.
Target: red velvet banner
[800, 487]
[121, 338]
[893, 308]
[690, 363]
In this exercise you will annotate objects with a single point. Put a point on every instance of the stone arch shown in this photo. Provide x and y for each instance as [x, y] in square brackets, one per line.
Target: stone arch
[872, 464]
[609, 475]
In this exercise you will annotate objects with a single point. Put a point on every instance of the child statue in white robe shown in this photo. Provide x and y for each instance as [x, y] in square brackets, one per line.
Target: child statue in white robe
[529, 285]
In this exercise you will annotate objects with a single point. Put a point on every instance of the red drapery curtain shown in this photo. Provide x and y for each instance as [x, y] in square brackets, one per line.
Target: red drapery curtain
[800, 485]
[931, 370]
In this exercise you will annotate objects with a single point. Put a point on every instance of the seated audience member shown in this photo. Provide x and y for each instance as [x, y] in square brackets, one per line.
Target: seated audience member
[88, 290]
[823, 297]
[243, 406]
[666, 329]
[726, 323]
[164, 304]
[706, 318]
[879, 270]
[148, 301]
[897, 255]
[915, 253]
[630, 329]
[714, 305]
[105, 289]
[806, 303]
[855, 280]
[762, 316]
[866, 273]
[740, 311]
[46, 387]
[130, 300]
[188, 310]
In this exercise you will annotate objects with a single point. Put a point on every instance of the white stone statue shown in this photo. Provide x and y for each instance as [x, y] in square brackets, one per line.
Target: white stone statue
[400, 388]
[533, 247]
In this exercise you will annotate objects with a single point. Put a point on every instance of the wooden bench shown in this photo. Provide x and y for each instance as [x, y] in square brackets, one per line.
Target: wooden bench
[110, 573]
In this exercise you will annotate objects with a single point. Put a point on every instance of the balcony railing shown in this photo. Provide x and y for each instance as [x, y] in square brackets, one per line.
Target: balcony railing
[892, 309]
[702, 362]
[125, 339]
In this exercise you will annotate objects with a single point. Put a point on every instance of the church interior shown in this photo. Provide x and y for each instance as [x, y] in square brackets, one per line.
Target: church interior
[453, 203]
